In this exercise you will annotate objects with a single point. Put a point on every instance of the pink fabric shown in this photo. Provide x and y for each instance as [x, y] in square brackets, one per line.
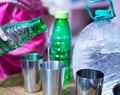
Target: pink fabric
[10, 63]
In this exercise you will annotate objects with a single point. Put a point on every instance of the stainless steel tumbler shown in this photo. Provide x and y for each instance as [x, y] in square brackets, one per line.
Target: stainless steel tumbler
[31, 72]
[52, 77]
[89, 82]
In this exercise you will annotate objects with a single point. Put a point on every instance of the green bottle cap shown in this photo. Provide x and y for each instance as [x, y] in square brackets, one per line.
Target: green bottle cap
[61, 14]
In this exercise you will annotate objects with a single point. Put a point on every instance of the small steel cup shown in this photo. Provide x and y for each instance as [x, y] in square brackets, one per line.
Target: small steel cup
[89, 82]
[52, 77]
[31, 72]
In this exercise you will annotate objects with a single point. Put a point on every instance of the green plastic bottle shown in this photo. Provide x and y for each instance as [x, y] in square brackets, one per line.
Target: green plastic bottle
[61, 42]
[20, 33]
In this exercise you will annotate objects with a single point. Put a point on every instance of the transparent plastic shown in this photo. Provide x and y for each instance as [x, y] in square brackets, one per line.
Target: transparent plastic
[98, 47]
[21, 32]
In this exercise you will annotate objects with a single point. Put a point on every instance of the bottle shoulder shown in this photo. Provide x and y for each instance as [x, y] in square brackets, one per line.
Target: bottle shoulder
[61, 28]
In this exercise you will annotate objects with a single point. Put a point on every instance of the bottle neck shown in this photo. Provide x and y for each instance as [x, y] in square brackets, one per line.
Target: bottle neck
[61, 21]
[58, 19]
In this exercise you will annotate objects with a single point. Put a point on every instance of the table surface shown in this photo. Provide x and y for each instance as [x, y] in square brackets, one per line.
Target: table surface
[14, 86]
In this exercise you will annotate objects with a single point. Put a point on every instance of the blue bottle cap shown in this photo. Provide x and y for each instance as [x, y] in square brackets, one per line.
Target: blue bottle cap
[103, 14]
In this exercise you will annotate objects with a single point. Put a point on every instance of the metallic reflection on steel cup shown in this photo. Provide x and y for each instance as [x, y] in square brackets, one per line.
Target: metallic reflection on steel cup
[116, 89]
[89, 82]
[31, 72]
[52, 77]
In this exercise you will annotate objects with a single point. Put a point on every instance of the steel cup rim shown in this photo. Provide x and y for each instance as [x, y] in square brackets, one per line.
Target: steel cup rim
[44, 65]
[29, 57]
[99, 74]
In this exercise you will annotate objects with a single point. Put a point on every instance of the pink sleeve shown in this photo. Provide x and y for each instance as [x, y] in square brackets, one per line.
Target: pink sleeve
[11, 63]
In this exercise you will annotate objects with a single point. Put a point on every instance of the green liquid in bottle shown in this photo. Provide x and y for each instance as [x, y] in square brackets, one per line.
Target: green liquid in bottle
[61, 43]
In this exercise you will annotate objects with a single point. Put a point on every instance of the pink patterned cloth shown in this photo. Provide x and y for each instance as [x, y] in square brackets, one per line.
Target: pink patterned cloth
[14, 11]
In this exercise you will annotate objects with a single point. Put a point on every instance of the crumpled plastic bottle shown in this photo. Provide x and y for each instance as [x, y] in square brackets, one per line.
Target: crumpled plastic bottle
[21, 32]
[98, 47]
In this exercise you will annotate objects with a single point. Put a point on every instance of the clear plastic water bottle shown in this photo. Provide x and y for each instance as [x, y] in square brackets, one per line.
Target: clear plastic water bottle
[98, 47]
[21, 32]
[61, 42]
